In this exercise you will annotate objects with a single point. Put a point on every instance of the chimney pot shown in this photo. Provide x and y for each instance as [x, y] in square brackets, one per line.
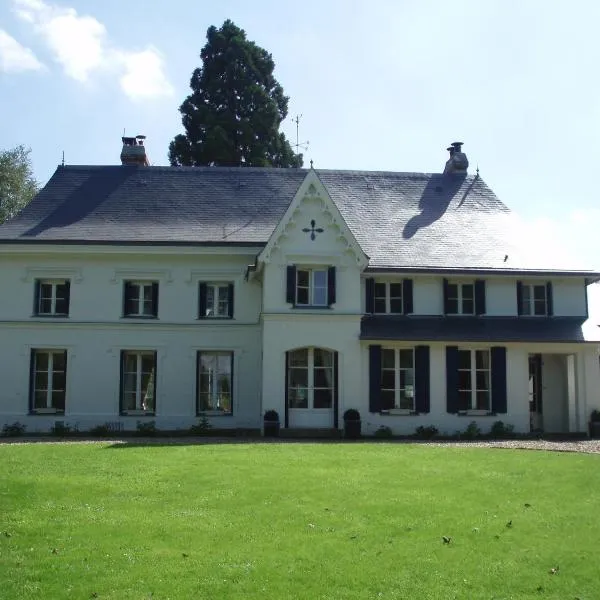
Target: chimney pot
[457, 163]
[133, 151]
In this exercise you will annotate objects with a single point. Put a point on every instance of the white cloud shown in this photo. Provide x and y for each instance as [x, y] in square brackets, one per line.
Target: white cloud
[14, 57]
[80, 44]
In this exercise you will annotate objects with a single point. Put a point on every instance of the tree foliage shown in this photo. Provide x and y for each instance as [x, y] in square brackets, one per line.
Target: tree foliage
[17, 184]
[233, 114]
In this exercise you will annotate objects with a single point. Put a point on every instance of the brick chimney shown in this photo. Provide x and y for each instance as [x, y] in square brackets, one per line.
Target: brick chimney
[134, 151]
[457, 163]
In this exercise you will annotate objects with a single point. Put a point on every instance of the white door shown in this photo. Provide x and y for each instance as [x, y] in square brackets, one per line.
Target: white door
[311, 387]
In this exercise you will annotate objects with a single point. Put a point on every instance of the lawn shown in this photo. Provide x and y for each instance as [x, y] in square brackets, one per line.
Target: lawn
[297, 520]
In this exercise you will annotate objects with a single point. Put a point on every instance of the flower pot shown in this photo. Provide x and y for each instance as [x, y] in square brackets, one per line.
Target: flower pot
[352, 429]
[595, 430]
[271, 428]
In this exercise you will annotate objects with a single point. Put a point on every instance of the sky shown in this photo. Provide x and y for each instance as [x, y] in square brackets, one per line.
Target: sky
[381, 85]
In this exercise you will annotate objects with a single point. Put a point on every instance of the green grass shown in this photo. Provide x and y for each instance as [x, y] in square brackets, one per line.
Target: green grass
[313, 521]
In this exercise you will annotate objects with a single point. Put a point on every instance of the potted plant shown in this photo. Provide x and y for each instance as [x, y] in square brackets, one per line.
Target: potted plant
[352, 424]
[595, 424]
[271, 423]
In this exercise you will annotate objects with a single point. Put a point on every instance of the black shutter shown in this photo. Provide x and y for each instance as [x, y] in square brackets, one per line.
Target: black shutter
[232, 397]
[330, 286]
[67, 296]
[549, 300]
[36, 297]
[452, 379]
[335, 391]
[374, 379]
[407, 296]
[155, 298]
[286, 412]
[127, 295]
[422, 379]
[446, 294]
[121, 379]
[64, 402]
[369, 295]
[154, 379]
[32, 380]
[519, 298]
[202, 300]
[480, 297]
[290, 290]
[498, 360]
[198, 408]
[230, 300]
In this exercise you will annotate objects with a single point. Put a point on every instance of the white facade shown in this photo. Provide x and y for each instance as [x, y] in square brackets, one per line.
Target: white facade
[264, 327]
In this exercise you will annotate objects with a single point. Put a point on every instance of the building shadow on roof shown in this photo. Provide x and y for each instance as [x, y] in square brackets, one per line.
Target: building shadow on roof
[84, 199]
[434, 202]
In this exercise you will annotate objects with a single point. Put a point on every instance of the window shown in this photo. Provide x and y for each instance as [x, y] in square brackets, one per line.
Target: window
[48, 385]
[460, 299]
[215, 300]
[138, 382]
[473, 380]
[534, 300]
[140, 299]
[398, 379]
[52, 297]
[215, 382]
[388, 297]
[311, 287]
[310, 378]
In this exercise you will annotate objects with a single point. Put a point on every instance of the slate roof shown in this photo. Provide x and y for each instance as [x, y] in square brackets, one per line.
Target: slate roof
[408, 220]
[479, 329]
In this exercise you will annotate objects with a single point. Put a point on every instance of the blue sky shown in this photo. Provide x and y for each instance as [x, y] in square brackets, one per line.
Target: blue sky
[381, 85]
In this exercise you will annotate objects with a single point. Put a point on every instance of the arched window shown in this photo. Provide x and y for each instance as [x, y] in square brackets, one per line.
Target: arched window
[311, 378]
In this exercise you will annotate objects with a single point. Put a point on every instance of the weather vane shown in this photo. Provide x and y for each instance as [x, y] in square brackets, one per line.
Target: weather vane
[299, 145]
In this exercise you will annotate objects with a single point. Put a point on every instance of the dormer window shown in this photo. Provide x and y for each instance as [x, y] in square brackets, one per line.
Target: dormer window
[310, 286]
[534, 299]
[464, 297]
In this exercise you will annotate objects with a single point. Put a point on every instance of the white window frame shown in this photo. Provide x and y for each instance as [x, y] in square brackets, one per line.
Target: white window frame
[310, 389]
[528, 304]
[311, 285]
[397, 379]
[474, 370]
[388, 297]
[217, 287]
[139, 410]
[214, 391]
[141, 287]
[54, 283]
[461, 297]
[49, 408]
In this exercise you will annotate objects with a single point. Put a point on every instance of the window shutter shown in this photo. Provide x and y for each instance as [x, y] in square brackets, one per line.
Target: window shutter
[446, 293]
[330, 286]
[374, 379]
[32, 379]
[519, 298]
[407, 296]
[286, 414]
[549, 300]
[155, 299]
[498, 360]
[154, 381]
[202, 300]
[230, 299]
[290, 292]
[121, 379]
[231, 384]
[335, 391]
[452, 379]
[480, 297]
[127, 295]
[64, 403]
[422, 379]
[67, 296]
[36, 297]
[369, 295]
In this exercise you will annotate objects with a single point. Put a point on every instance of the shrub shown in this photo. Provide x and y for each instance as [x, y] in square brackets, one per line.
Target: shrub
[500, 430]
[62, 429]
[383, 432]
[351, 415]
[146, 429]
[15, 430]
[101, 430]
[271, 415]
[426, 433]
[201, 427]
[595, 416]
[471, 432]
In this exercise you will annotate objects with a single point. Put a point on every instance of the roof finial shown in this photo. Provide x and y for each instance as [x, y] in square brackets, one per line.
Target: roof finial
[63, 158]
[477, 171]
[311, 163]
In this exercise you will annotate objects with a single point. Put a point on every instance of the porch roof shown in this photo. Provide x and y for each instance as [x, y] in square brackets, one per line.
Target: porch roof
[479, 329]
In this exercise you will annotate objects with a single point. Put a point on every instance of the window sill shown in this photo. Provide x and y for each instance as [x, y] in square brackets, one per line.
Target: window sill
[137, 413]
[214, 319]
[475, 413]
[396, 412]
[311, 307]
[214, 413]
[141, 317]
[50, 316]
[46, 411]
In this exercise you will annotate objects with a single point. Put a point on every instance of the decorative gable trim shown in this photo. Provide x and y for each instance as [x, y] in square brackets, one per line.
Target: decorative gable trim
[312, 189]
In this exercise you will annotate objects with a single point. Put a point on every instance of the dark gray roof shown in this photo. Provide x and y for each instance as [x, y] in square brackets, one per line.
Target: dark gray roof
[411, 220]
[479, 329]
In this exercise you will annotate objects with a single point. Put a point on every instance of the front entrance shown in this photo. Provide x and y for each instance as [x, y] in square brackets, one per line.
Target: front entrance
[311, 388]
[535, 392]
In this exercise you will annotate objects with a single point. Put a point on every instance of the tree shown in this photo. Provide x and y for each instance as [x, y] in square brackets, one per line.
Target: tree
[17, 184]
[233, 114]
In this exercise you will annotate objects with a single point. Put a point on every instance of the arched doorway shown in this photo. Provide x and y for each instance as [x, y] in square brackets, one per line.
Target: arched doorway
[311, 388]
